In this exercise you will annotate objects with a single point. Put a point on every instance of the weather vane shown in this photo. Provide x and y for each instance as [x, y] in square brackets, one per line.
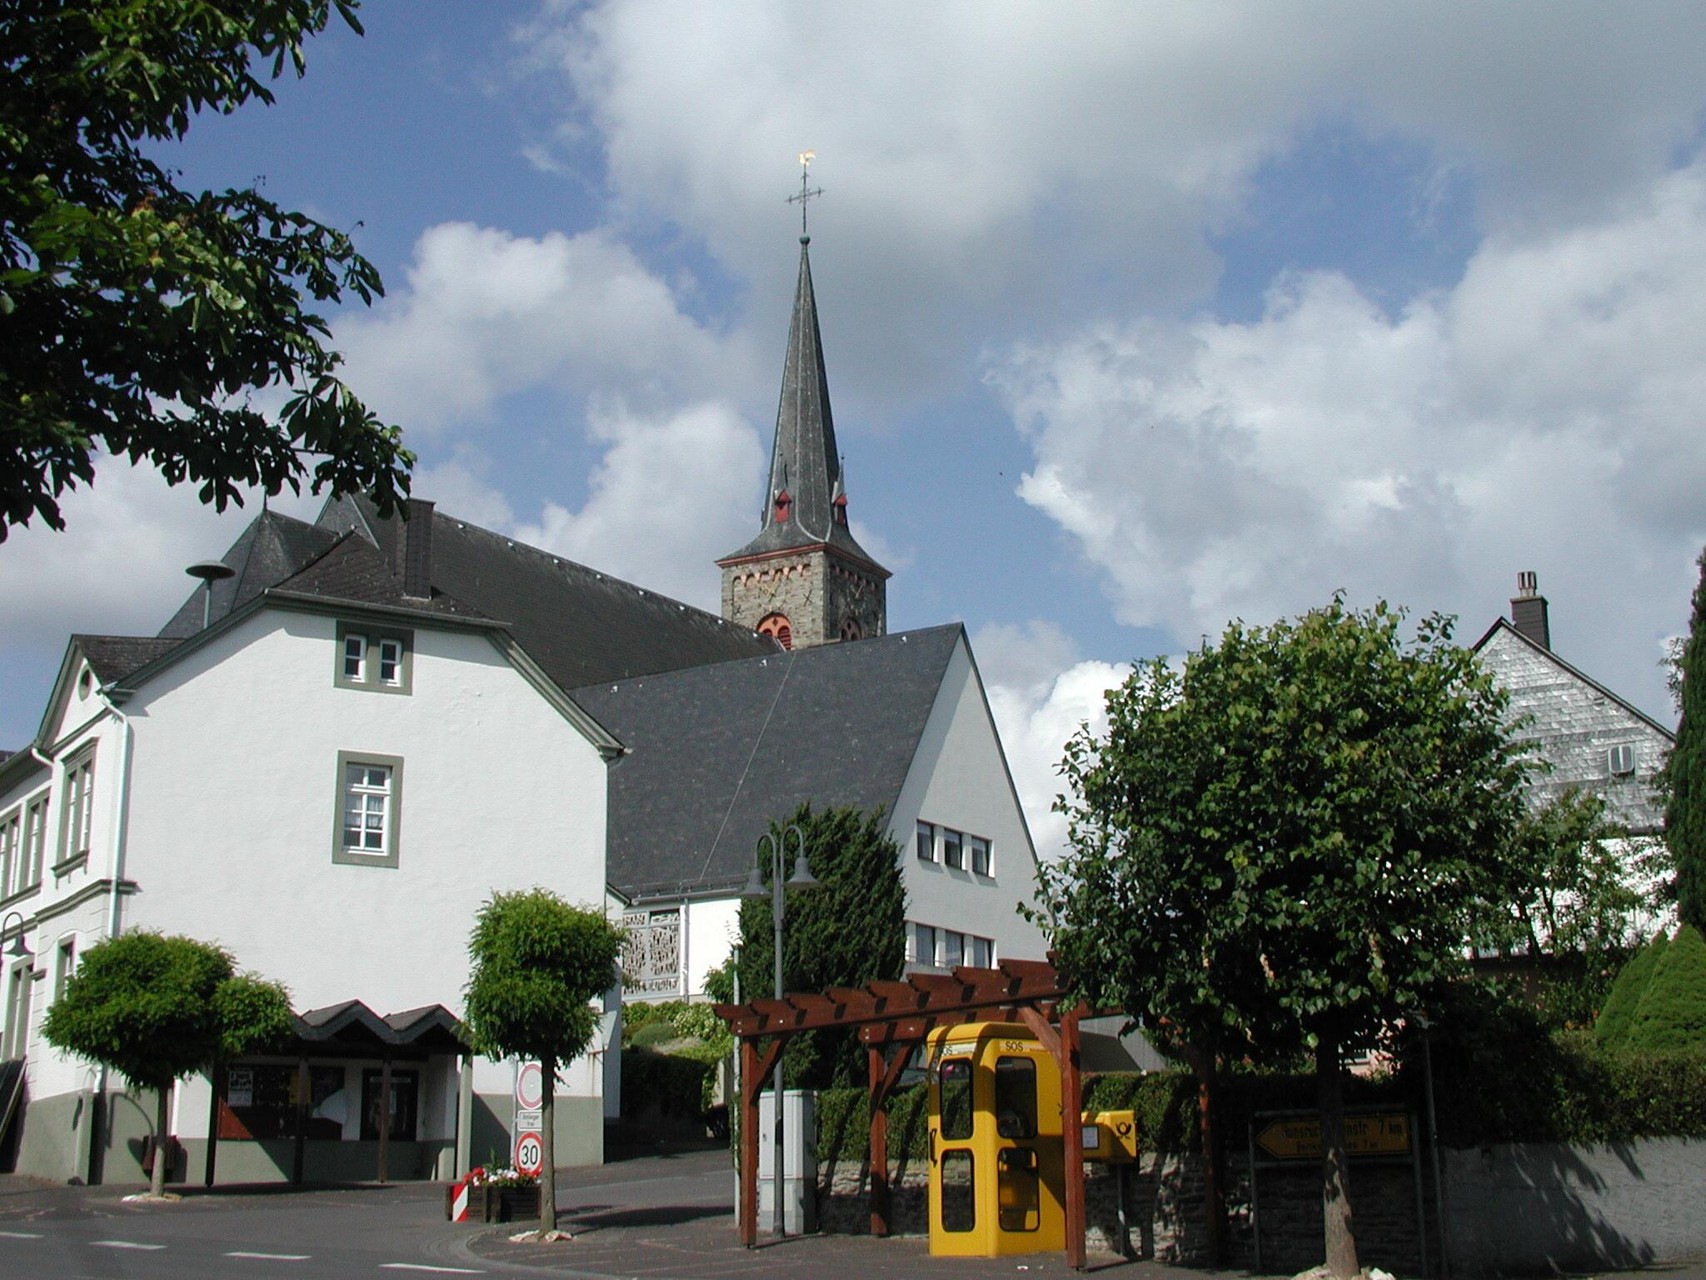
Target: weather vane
[806, 191]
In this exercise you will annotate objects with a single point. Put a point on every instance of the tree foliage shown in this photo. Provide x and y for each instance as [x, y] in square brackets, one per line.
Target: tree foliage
[1282, 846]
[1672, 1009]
[1684, 778]
[1611, 1027]
[849, 931]
[538, 964]
[137, 317]
[155, 1008]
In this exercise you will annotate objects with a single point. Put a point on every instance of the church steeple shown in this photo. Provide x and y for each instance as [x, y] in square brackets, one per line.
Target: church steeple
[804, 578]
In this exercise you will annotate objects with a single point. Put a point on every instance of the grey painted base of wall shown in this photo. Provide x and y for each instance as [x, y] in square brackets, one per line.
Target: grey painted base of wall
[57, 1142]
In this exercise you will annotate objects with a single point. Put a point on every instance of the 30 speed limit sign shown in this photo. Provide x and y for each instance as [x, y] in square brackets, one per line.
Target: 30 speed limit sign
[529, 1154]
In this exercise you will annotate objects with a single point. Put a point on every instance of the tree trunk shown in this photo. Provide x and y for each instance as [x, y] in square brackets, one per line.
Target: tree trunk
[1340, 1240]
[1214, 1190]
[548, 1140]
[162, 1142]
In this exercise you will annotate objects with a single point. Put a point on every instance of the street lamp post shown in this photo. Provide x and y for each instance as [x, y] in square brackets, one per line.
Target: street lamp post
[802, 878]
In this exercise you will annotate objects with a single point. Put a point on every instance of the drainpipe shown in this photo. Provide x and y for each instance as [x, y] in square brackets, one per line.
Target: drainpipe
[121, 832]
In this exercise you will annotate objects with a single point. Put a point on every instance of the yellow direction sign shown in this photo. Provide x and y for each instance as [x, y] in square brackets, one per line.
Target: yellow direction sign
[1299, 1137]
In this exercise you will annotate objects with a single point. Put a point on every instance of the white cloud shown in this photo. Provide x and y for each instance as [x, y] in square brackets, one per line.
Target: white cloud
[1040, 697]
[1543, 414]
[1028, 159]
[666, 498]
[486, 313]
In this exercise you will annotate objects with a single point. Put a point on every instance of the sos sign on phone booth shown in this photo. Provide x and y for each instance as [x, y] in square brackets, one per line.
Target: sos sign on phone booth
[529, 1118]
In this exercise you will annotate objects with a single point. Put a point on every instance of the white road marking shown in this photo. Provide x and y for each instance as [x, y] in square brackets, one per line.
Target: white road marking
[20, 1235]
[123, 1244]
[421, 1266]
[269, 1257]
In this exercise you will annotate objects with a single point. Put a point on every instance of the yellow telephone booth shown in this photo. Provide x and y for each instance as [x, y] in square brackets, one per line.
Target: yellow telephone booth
[997, 1167]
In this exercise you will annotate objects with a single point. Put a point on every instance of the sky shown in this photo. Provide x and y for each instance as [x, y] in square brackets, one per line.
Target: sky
[1137, 318]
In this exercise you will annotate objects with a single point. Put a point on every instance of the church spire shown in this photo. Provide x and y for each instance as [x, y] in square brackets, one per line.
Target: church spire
[804, 578]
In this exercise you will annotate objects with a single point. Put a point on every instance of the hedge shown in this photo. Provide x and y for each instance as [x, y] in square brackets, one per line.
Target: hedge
[1565, 1089]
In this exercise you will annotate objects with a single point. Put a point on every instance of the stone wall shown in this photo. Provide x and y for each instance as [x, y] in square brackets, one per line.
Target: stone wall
[1511, 1209]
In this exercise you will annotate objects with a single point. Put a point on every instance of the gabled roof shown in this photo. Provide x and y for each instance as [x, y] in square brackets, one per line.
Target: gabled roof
[1503, 625]
[717, 752]
[804, 462]
[112, 658]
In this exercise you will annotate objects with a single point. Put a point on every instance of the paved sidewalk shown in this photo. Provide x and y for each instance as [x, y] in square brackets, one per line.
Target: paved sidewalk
[673, 1216]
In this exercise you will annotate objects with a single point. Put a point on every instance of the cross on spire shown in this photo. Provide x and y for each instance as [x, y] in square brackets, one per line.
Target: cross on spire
[806, 192]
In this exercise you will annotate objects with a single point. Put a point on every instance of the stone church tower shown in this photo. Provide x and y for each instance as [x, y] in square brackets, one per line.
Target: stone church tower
[804, 579]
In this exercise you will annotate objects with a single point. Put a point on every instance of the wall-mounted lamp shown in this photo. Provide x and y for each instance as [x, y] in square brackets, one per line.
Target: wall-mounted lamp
[17, 951]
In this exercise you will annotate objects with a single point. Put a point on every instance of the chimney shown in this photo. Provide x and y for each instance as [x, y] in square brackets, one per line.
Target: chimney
[1528, 610]
[416, 535]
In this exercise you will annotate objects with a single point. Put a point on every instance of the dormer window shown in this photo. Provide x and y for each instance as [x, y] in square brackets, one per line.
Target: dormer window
[784, 504]
[377, 659]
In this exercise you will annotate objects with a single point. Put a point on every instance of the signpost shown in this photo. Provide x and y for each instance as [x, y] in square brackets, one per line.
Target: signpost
[529, 1149]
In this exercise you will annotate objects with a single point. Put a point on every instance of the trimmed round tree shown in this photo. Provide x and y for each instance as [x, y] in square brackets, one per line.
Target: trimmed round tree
[1280, 848]
[1672, 1012]
[1611, 1027]
[155, 1008]
[538, 964]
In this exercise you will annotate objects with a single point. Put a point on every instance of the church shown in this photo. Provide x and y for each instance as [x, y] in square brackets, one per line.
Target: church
[357, 729]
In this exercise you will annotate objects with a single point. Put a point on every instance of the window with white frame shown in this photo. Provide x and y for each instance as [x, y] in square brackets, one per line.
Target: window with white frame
[34, 854]
[980, 952]
[378, 659]
[956, 850]
[924, 944]
[953, 851]
[977, 854]
[11, 851]
[370, 809]
[15, 1034]
[953, 948]
[78, 809]
[64, 965]
[926, 842]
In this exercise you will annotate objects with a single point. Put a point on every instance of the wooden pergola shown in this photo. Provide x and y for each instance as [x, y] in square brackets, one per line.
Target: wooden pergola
[892, 1019]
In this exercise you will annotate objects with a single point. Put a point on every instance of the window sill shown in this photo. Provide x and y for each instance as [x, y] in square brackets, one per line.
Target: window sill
[22, 895]
[354, 858]
[63, 869]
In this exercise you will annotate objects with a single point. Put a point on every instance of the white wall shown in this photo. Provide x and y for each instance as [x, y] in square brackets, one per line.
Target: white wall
[959, 779]
[235, 807]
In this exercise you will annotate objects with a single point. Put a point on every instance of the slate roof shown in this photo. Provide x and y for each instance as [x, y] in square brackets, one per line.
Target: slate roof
[718, 751]
[578, 624]
[115, 657]
[804, 460]
[269, 550]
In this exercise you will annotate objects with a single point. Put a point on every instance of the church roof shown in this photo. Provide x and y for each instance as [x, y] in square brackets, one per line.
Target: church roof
[804, 463]
[717, 752]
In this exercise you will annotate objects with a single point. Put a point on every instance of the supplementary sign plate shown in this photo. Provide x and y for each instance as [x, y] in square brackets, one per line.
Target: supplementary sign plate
[1299, 1137]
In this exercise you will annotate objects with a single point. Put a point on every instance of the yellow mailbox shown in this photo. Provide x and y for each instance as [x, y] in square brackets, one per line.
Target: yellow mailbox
[997, 1162]
[1110, 1136]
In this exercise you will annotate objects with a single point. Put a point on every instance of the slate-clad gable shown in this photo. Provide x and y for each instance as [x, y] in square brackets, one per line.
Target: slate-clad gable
[717, 752]
[272, 548]
[1575, 721]
[112, 658]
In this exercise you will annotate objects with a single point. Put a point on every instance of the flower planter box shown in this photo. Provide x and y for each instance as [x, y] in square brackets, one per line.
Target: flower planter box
[497, 1204]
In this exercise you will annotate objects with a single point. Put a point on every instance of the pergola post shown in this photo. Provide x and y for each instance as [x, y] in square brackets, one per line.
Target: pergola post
[750, 1078]
[879, 1144]
[1072, 1104]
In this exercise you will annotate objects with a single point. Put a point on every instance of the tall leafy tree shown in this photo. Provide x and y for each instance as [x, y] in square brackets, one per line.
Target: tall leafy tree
[849, 931]
[1280, 847]
[538, 964]
[155, 1008]
[138, 317]
[1684, 779]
